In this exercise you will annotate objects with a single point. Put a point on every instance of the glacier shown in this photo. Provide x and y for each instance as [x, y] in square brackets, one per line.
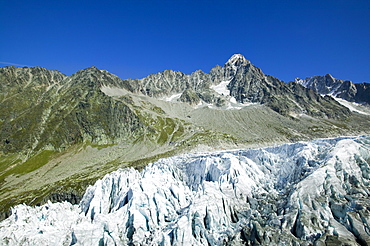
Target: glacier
[302, 193]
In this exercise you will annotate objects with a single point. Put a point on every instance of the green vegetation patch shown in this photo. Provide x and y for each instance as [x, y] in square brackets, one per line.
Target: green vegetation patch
[98, 146]
[7, 161]
[32, 163]
[177, 134]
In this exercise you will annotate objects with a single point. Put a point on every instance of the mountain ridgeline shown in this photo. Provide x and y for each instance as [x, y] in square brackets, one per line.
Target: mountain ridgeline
[246, 83]
[59, 134]
[345, 89]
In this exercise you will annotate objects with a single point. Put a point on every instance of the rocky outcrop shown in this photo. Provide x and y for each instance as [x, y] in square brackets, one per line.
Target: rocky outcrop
[250, 84]
[72, 197]
[190, 96]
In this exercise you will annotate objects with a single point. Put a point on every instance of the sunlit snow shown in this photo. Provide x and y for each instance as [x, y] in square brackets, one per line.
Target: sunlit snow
[172, 98]
[354, 107]
[221, 88]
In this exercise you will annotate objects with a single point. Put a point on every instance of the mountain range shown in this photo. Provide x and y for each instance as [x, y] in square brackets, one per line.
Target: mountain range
[59, 134]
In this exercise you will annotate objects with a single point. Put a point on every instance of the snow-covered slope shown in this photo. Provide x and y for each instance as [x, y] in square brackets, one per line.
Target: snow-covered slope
[354, 107]
[283, 195]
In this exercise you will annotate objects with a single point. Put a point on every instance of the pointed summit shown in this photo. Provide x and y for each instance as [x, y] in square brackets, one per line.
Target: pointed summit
[91, 69]
[330, 78]
[237, 60]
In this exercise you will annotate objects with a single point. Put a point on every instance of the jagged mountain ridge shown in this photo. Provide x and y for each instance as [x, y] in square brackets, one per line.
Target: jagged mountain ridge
[307, 193]
[345, 89]
[61, 133]
[245, 83]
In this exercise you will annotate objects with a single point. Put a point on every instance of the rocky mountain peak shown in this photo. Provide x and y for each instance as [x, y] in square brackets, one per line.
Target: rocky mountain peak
[85, 71]
[237, 60]
[14, 77]
[93, 77]
[234, 64]
[329, 77]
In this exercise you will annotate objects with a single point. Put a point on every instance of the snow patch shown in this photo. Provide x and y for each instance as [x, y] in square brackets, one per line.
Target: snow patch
[354, 107]
[221, 88]
[172, 98]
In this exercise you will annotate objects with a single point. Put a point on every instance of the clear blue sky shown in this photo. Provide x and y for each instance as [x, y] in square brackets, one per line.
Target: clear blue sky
[134, 38]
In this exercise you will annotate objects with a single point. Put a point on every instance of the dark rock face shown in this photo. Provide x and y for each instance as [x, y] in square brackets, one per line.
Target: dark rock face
[363, 93]
[190, 97]
[345, 89]
[71, 197]
[250, 85]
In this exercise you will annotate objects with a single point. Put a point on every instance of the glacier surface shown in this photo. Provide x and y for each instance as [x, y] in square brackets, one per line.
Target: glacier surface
[292, 194]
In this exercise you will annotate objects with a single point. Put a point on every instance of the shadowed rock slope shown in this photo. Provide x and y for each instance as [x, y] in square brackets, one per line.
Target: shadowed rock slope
[345, 89]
